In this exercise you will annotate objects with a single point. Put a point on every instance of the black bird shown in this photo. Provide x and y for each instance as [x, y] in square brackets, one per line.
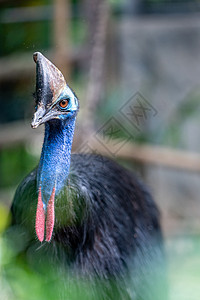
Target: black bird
[89, 214]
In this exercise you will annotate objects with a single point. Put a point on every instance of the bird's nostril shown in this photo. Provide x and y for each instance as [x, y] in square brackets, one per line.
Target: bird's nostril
[35, 57]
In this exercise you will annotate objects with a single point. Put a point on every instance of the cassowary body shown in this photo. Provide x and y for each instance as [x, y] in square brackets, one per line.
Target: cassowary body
[96, 218]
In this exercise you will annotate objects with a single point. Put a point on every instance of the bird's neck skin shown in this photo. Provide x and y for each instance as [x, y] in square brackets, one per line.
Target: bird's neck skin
[54, 162]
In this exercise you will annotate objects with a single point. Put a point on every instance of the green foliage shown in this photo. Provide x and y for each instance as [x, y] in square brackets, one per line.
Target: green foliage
[15, 164]
[24, 279]
[4, 217]
[22, 37]
[170, 134]
[124, 130]
[167, 2]
[78, 32]
[16, 101]
[187, 111]
[184, 267]
[20, 280]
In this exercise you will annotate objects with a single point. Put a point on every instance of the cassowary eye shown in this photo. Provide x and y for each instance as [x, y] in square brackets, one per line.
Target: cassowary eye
[63, 103]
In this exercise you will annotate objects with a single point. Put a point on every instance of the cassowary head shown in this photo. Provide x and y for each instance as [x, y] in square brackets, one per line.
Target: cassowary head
[54, 98]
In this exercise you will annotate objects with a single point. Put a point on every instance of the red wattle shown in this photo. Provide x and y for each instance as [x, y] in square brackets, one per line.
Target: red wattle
[50, 216]
[40, 218]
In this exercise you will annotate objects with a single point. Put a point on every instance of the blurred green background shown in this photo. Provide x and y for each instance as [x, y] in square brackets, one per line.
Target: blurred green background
[115, 55]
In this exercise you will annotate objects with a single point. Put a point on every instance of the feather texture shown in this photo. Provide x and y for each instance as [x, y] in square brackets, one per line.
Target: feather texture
[106, 228]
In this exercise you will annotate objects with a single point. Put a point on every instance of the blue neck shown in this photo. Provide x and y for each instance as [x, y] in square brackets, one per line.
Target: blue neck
[54, 162]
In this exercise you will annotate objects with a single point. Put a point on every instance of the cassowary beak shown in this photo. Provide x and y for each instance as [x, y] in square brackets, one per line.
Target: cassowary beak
[41, 116]
[38, 117]
[49, 84]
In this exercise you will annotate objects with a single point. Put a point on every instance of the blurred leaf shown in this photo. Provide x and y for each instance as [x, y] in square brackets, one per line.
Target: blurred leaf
[4, 217]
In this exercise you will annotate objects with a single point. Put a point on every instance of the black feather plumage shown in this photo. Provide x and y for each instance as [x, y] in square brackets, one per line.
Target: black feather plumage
[109, 227]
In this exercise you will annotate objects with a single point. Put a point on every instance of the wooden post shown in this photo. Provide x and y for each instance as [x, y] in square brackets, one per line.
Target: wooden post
[61, 36]
[95, 85]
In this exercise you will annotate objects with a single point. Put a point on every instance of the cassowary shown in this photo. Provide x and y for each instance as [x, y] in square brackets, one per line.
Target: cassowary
[86, 212]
